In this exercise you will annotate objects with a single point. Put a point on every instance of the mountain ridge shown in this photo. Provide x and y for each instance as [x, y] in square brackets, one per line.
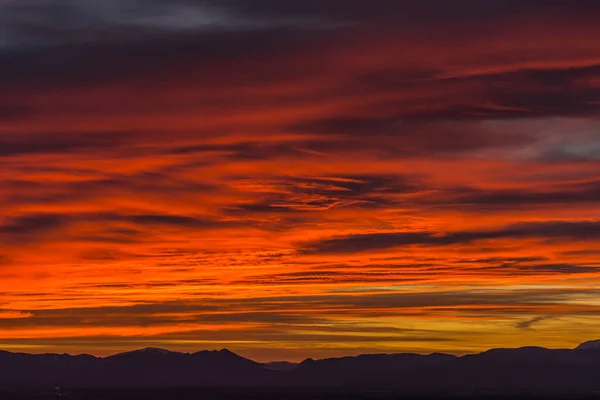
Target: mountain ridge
[525, 368]
[587, 345]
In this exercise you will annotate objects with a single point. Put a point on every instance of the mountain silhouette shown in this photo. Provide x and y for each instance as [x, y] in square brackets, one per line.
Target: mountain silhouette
[516, 370]
[591, 345]
[138, 368]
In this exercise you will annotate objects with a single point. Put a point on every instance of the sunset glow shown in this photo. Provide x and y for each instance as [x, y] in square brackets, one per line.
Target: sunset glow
[293, 179]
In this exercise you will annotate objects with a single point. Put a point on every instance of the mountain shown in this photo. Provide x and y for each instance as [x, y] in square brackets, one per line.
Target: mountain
[139, 368]
[147, 352]
[159, 367]
[591, 345]
[280, 366]
[526, 369]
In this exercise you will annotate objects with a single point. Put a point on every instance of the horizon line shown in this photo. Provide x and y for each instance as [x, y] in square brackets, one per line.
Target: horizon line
[224, 349]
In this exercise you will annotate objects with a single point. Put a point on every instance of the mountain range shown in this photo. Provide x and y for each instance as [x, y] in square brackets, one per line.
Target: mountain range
[525, 369]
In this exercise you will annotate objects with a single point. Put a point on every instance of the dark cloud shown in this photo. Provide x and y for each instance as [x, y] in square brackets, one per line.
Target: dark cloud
[331, 277]
[33, 224]
[527, 324]
[350, 125]
[403, 137]
[511, 94]
[16, 144]
[49, 22]
[245, 150]
[149, 56]
[392, 10]
[55, 22]
[171, 220]
[524, 93]
[551, 230]
[369, 242]
[22, 193]
[120, 52]
[28, 227]
[298, 194]
[538, 269]
[414, 273]
[586, 192]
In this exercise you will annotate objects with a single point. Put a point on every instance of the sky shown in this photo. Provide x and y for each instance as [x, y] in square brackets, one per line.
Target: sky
[299, 178]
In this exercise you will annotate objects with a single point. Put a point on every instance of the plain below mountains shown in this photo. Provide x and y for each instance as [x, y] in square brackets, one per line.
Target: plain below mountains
[520, 370]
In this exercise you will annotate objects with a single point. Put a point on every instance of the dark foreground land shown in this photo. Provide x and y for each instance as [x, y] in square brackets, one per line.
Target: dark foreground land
[272, 394]
[153, 374]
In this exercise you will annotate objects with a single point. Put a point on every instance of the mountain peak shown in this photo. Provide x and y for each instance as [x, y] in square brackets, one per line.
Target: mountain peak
[154, 350]
[589, 345]
[149, 351]
[222, 352]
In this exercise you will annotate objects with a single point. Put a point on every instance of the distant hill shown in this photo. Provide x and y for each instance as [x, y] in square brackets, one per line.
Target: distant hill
[281, 365]
[521, 370]
[145, 367]
[591, 345]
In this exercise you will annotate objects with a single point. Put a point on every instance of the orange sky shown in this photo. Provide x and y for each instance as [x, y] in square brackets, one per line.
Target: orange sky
[294, 180]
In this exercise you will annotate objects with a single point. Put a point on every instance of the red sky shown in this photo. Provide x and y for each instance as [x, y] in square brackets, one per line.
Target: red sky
[299, 178]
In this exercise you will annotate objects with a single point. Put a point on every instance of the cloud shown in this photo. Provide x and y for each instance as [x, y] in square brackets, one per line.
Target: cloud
[51, 22]
[527, 324]
[19, 144]
[567, 230]
[32, 224]
[306, 194]
[107, 226]
[585, 192]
